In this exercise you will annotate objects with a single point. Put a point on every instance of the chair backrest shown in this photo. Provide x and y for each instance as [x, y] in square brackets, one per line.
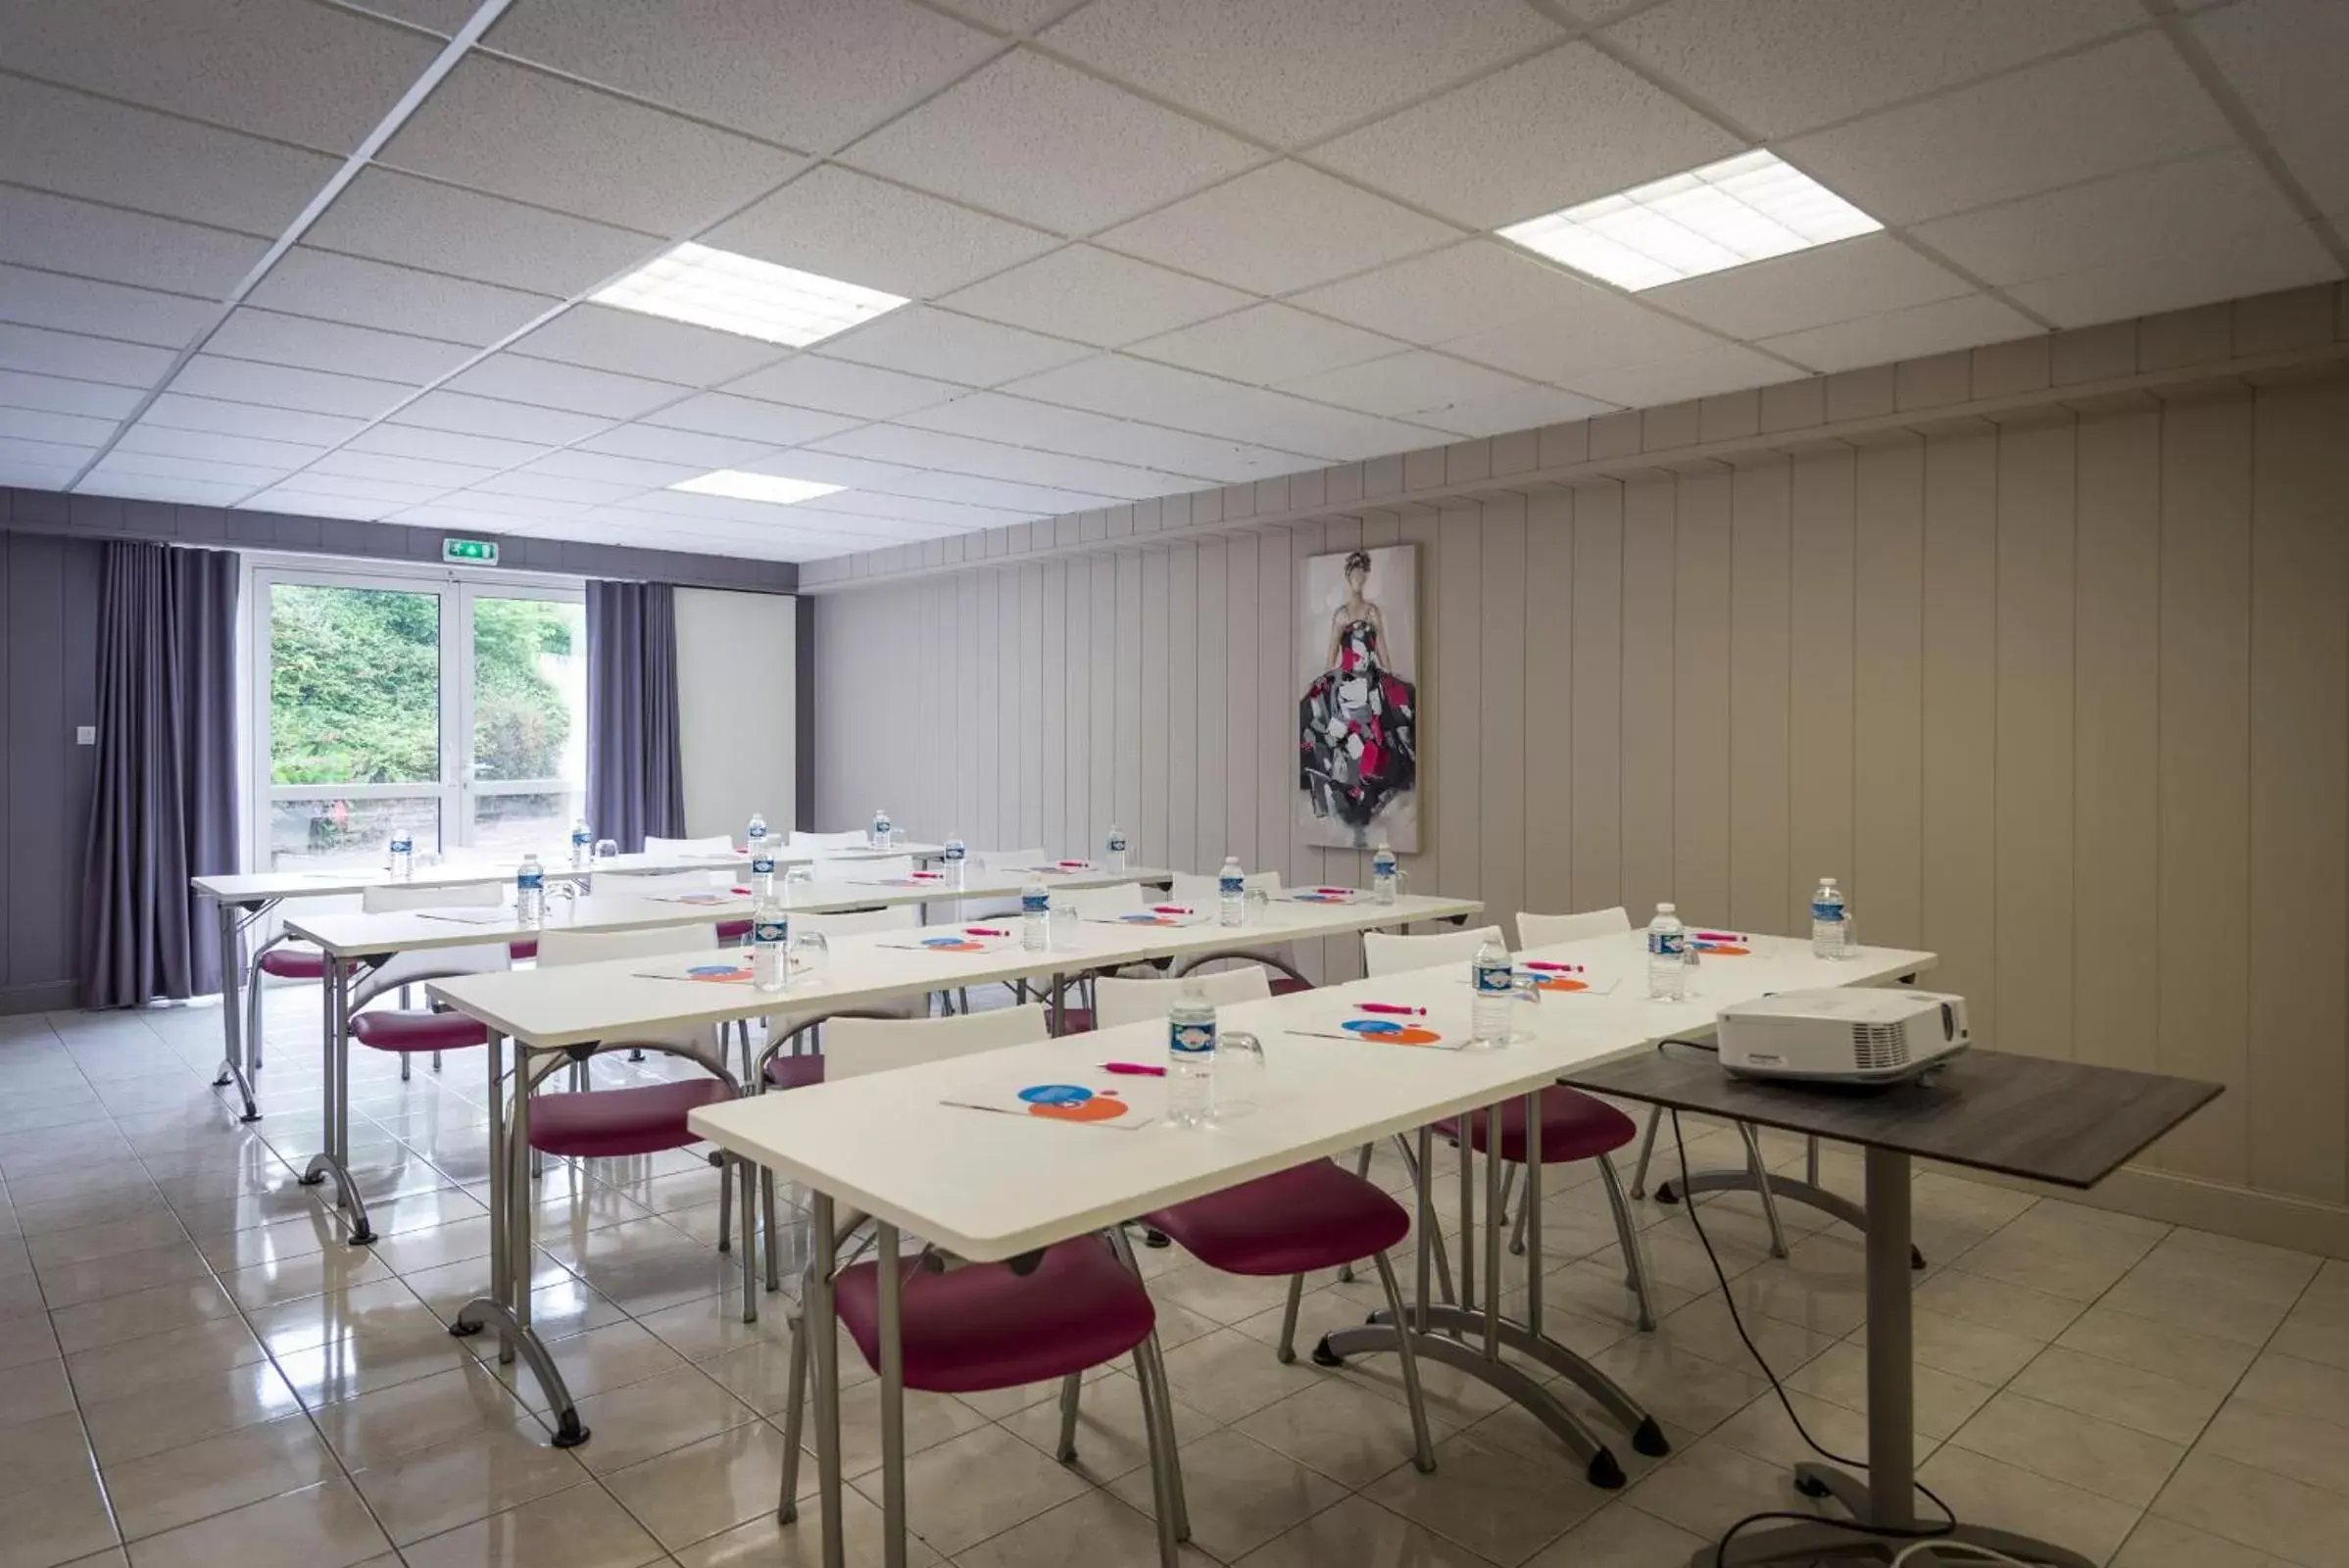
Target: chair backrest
[1201, 891]
[1118, 1002]
[721, 844]
[1383, 953]
[854, 1047]
[1093, 903]
[431, 963]
[880, 869]
[560, 946]
[642, 884]
[1003, 861]
[855, 840]
[1548, 930]
[894, 918]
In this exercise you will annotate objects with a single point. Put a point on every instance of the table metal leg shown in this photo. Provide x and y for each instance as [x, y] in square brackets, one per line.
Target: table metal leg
[892, 1285]
[820, 1323]
[1791, 1187]
[1528, 1214]
[236, 1064]
[335, 1160]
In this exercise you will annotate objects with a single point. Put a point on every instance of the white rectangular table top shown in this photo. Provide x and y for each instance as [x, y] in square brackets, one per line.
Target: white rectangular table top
[267, 887]
[990, 1185]
[546, 1008]
[353, 934]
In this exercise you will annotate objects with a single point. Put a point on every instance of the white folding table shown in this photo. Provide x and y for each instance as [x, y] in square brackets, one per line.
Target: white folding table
[543, 1011]
[992, 1186]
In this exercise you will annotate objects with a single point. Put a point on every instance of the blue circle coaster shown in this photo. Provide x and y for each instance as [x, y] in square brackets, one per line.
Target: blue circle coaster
[1371, 1026]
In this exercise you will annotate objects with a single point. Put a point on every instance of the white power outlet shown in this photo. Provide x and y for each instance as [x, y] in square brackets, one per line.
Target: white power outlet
[86, 735]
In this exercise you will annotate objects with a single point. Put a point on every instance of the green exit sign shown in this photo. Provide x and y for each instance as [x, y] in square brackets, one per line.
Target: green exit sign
[469, 552]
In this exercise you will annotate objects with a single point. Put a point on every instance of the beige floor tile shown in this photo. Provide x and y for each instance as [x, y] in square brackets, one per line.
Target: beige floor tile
[384, 1305]
[1111, 1441]
[1350, 1433]
[1620, 1535]
[2205, 1305]
[2147, 1402]
[1987, 1491]
[1763, 1430]
[2252, 1270]
[1360, 1532]
[1709, 1486]
[2101, 1456]
[21, 1297]
[666, 1410]
[1239, 1493]
[766, 1543]
[1943, 1401]
[376, 1427]
[1690, 1393]
[26, 1339]
[33, 1392]
[976, 1485]
[2301, 1448]
[36, 1456]
[1593, 1290]
[1454, 1398]
[2296, 1388]
[117, 1371]
[1998, 1303]
[1498, 1503]
[324, 1525]
[434, 1246]
[172, 1415]
[2317, 1326]
[609, 1358]
[1705, 1327]
[1212, 1293]
[427, 1491]
[2204, 1360]
[2275, 1514]
[134, 1234]
[1093, 1531]
[582, 1527]
[2159, 1543]
[1964, 1349]
[290, 1279]
[180, 1486]
[122, 1273]
[61, 1522]
[714, 1325]
[2076, 1264]
[708, 1487]
[1229, 1375]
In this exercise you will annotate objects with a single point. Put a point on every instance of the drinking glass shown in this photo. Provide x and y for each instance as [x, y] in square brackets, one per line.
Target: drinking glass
[810, 958]
[1238, 1073]
[1255, 906]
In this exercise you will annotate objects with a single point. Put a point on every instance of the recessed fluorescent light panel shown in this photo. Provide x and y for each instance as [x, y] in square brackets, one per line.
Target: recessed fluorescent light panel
[1743, 209]
[741, 294]
[767, 487]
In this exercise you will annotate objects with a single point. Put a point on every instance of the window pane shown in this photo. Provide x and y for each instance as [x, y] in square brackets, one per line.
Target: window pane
[315, 833]
[529, 693]
[505, 825]
[354, 686]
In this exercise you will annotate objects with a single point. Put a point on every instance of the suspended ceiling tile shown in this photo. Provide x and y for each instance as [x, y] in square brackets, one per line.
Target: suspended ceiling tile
[66, 457]
[923, 340]
[60, 395]
[1011, 16]
[148, 487]
[1094, 296]
[385, 491]
[1864, 276]
[61, 429]
[1267, 343]
[38, 475]
[632, 343]
[960, 454]
[1506, 411]
[180, 412]
[521, 133]
[1788, 65]
[157, 466]
[391, 217]
[1119, 384]
[837, 386]
[499, 504]
[77, 145]
[841, 225]
[1920, 330]
[2121, 104]
[1589, 327]
[658, 444]
[351, 464]
[553, 487]
[286, 68]
[515, 421]
[927, 510]
[286, 387]
[570, 387]
[1277, 228]
[1205, 457]
[2285, 57]
[825, 467]
[379, 294]
[999, 416]
[1045, 500]
[1451, 294]
[164, 440]
[317, 504]
[42, 351]
[609, 469]
[1561, 128]
[1293, 70]
[275, 339]
[445, 446]
[1403, 384]
[1707, 373]
[746, 419]
[1029, 137]
[807, 73]
[2195, 271]
[103, 242]
[110, 310]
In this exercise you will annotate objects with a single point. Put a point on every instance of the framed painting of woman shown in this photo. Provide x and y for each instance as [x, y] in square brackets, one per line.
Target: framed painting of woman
[1358, 720]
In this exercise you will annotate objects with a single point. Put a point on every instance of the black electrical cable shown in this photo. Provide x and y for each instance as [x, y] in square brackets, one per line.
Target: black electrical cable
[1856, 1527]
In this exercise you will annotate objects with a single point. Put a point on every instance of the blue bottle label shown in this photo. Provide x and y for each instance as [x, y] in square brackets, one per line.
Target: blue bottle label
[770, 933]
[1383, 865]
[955, 850]
[881, 824]
[1035, 904]
[1191, 1039]
[1672, 943]
[1822, 909]
[1492, 978]
[401, 844]
[1118, 844]
[763, 864]
[1232, 887]
[579, 836]
[530, 881]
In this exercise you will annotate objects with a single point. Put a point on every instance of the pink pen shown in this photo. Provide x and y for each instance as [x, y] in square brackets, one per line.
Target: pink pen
[1547, 967]
[1389, 1006]
[983, 931]
[1721, 936]
[1133, 1069]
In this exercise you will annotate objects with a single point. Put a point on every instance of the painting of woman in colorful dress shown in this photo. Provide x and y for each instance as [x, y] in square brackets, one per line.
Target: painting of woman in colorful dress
[1357, 726]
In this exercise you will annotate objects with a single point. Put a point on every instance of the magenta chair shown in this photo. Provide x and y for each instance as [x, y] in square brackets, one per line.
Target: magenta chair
[1312, 1217]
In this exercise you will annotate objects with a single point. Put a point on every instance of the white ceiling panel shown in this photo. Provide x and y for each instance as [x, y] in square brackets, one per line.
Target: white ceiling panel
[41, 352]
[826, 468]
[1864, 276]
[839, 387]
[108, 310]
[37, 229]
[1094, 296]
[1043, 501]
[77, 145]
[515, 421]
[1184, 400]
[1558, 129]
[1293, 70]
[1505, 411]
[59, 395]
[838, 223]
[393, 216]
[445, 446]
[1919, 330]
[923, 340]
[283, 386]
[1451, 294]
[574, 388]
[210, 446]
[150, 487]
[1267, 343]
[2285, 57]
[748, 419]
[2146, 212]
[1586, 328]
[805, 72]
[346, 350]
[2110, 108]
[961, 453]
[501, 504]
[1786, 66]
[311, 502]
[1723, 367]
[287, 69]
[368, 293]
[179, 412]
[552, 487]
[1051, 146]
[518, 133]
[1406, 383]
[1181, 451]
[632, 343]
[1118, 385]
[688, 447]
[607, 470]
[386, 492]
[1280, 227]
[449, 512]
[37, 475]
[997, 416]
[2196, 271]
[1011, 16]
[62, 456]
[62, 429]
[158, 465]
[397, 470]
[926, 511]
[1294, 424]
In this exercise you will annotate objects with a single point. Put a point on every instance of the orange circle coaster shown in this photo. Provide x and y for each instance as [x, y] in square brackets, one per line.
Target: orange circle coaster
[1408, 1036]
[1101, 1108]
[1560, 985]
[1722, 950]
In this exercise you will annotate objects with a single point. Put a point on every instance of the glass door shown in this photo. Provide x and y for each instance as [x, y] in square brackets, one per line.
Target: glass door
[527, 719]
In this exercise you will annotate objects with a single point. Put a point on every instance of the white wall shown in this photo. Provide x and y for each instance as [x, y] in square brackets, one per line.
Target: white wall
[737, 688]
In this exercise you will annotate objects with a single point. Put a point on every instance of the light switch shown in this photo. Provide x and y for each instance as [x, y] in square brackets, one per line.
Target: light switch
[86, 735]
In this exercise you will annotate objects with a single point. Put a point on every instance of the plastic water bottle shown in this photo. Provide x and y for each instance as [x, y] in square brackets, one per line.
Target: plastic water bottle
[403, 855]
[957, 860]
[1667, 957]
[1191, 1057]
[1830, 922]
[754, 837]
[771, 944]
[1492, 1011]
[582, 844]
[1115, 859]
[762, 875]
[1035, 915]
[1231, 893]
[883, 828]
[530, 892]
[1385, 879]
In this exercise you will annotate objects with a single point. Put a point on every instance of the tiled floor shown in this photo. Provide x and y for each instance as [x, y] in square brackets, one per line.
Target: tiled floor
[196, 1371]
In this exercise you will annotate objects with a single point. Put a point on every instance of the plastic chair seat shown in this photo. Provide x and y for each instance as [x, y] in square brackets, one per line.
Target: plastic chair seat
[1289, 985]
[519, 951]
[294, 964]
[982, 1326]
[1313, 1216]
[418, 1031]
[1574, 1126]
[602, 1122]
[796, 1072]
[1076, 1020]
[733, 930]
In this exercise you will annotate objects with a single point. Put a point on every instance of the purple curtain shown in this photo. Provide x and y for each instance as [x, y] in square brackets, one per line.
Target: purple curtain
[635, 780]
[165, 806]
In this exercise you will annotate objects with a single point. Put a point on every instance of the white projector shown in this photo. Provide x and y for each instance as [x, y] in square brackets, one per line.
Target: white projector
[1859, 1036]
